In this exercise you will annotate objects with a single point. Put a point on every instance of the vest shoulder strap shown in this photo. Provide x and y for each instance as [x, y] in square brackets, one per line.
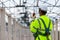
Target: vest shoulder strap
[39, 23]
[45, 24]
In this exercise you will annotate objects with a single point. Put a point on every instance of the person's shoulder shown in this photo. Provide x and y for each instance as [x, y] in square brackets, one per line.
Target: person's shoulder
[35, 20]
[32, 21]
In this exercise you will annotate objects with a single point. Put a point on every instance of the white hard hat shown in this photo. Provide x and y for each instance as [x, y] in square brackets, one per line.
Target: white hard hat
[43, 6]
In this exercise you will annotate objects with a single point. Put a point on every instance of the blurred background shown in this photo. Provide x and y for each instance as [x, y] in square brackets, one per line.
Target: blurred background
[15, 18]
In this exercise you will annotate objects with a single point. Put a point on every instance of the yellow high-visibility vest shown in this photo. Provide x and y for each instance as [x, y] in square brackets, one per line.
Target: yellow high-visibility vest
[34, 24]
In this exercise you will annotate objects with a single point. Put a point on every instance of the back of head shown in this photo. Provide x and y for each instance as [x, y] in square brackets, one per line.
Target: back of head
[43, 8]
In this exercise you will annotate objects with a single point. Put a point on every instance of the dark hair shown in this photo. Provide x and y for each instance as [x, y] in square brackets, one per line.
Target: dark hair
[44, 12]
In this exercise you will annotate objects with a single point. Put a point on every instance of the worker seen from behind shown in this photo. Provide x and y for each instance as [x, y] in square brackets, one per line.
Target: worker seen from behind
[42, 27]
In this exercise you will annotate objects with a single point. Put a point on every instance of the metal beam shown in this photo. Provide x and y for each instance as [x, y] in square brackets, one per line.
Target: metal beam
[30, 6]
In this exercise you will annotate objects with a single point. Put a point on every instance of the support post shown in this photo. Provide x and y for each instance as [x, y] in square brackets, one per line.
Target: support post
[2, 24]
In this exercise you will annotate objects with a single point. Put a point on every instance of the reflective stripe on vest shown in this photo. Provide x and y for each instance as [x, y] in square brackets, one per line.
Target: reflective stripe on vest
[45, 24]
[46, 29]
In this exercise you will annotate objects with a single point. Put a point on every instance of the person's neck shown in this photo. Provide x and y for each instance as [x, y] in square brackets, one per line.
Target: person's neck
[41, 15]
